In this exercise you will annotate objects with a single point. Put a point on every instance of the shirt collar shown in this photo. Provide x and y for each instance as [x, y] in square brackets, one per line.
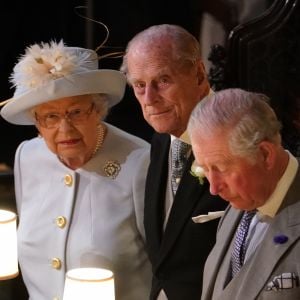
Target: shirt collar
[272, 205]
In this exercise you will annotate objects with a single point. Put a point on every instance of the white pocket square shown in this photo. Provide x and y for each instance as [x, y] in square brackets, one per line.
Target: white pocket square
[283, 281]
[210, 216]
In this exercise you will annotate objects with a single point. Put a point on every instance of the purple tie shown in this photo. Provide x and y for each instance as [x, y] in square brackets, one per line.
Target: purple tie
[239, 248]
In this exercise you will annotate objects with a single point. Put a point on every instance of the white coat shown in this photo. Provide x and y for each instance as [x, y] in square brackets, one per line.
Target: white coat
[82, 218]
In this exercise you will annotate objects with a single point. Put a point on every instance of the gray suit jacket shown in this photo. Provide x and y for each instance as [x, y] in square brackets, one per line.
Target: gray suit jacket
[268, 261]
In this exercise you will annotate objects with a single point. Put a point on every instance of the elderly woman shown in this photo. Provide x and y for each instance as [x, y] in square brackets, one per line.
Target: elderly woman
[80, 184]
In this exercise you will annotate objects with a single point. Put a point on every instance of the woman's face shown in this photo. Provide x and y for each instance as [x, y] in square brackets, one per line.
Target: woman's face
[69, 128]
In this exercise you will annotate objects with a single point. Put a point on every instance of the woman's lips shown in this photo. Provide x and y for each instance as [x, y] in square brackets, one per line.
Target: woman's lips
[69, 142]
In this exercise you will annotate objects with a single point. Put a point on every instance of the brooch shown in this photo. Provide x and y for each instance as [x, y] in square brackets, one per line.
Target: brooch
[280, 239]
[112, 168]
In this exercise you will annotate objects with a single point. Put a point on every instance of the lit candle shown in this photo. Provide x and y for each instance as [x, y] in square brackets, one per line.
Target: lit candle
[89, 283]
[8, 249]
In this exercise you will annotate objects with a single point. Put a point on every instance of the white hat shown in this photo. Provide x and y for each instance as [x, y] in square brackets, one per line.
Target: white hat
[52, 71]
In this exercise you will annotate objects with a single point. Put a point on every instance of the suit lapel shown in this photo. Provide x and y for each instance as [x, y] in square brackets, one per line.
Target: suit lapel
[155, 192]
[187, 196]
[216, 258]
[268, 254]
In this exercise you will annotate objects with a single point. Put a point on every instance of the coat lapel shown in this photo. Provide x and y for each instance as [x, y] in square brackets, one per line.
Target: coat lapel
[155, 192]
[187, 196]
[216, 258]
[268, 254]
[253, 278]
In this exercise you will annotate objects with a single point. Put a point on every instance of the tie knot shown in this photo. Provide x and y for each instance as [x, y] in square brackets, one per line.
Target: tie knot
[248, 215]
[179, 149]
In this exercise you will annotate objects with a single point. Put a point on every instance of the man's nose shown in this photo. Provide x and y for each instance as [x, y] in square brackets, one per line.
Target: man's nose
[150, 94]
[215, 183]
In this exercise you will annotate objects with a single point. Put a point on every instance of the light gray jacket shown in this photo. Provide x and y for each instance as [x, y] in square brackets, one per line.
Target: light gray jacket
[269, 260]
[82, 218]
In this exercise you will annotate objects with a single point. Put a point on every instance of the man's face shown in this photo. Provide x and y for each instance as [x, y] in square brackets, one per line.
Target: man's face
[239, 180]
[167, 94]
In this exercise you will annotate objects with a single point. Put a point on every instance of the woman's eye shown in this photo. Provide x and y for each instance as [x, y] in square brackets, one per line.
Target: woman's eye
[75, 112]
[52, 116]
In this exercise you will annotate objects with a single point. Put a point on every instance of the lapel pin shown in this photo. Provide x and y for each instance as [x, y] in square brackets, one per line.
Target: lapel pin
[280, 239]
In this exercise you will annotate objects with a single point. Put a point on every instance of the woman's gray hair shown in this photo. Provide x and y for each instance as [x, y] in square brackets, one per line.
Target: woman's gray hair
[185, 47]
[101, 103]
[247, 117]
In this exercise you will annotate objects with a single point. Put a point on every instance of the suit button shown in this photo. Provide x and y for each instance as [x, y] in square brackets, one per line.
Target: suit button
[68, 180]
[56, 263]
[61, 221]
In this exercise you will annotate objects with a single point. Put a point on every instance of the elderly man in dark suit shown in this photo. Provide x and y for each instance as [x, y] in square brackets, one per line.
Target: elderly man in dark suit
[236, 140]
[164, 67]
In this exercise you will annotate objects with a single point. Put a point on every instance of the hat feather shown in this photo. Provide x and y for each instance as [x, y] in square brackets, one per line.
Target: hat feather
[45, 62]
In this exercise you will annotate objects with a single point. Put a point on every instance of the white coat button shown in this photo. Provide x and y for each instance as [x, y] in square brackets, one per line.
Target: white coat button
[56, 263]
[61, 221]
[68, 180]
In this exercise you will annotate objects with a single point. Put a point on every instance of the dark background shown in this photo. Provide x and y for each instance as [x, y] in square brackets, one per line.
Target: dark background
[23, 23]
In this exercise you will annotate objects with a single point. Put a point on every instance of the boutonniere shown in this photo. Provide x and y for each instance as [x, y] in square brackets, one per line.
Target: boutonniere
[198, 172]
[280, 239]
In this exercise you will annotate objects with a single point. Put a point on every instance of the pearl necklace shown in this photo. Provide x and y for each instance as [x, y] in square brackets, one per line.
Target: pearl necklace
[100, 138]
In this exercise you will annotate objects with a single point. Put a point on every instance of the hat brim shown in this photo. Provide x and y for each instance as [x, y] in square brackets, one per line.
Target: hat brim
[109, 82]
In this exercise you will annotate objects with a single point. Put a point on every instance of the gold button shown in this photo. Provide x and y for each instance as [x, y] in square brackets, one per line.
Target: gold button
[61, 221]
[56, 263]
[68, 180]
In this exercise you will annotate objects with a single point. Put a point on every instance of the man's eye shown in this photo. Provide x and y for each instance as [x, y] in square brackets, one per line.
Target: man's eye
[139, 85]
[164, 80]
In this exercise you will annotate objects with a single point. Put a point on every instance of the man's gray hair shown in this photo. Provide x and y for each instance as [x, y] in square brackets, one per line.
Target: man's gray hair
[185, 47]
[247, 116]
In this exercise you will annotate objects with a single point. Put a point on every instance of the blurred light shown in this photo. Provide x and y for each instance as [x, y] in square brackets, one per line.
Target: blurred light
[8, 245]
[90, 284]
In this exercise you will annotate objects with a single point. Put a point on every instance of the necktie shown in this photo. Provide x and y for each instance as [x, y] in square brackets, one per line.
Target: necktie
[239, 248]
[179, 153]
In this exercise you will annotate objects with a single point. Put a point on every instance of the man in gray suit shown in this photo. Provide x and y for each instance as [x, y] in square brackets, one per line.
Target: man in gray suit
[236, 139]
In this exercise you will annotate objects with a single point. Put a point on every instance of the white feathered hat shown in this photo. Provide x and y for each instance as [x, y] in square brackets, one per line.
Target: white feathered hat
[50, 71]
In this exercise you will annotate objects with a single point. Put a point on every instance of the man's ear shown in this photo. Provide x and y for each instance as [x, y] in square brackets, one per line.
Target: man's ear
[267, 151]
[200, 72]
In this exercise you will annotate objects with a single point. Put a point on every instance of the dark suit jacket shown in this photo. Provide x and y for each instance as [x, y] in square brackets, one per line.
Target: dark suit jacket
[178, 254]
